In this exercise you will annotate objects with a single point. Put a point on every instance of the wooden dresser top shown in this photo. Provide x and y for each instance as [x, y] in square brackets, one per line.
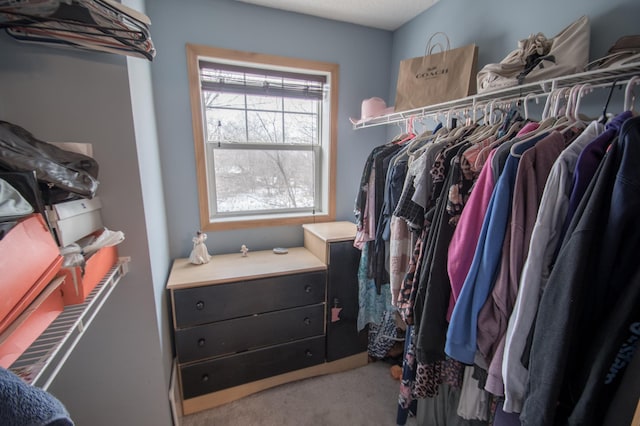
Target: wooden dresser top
[332, 231]
[227, 268]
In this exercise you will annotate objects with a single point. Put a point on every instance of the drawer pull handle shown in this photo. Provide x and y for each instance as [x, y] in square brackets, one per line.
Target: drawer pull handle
[205, 378]
[200, 305]
[201, 342]
[307, 321]
[308, 353]
[307, 288]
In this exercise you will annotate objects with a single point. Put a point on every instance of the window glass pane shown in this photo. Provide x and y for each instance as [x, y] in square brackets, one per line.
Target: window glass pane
[226, 125]
[300, 129]
[253, 180]
[219, 99]
[264, 127]
[270, 103]
[300, 105]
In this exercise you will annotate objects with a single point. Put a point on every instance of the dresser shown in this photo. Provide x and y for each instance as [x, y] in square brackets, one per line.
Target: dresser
[245, 324]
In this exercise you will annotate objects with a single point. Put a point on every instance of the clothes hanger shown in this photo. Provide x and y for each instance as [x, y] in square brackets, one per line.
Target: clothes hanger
[571, 121]
[421, 138]
[548, 119]
[400, 135]
[629, 96]
[584, 90]
[558, 101]
[77, 39]
[124, 11]
[509, 134]
[562, 118]
[548, 122]
[87, 24]
[78, 16]
[603, 117]
[525, 104]
[420, 143]
[409, 135]
[493, 119]
[493, 129]
[451, 135]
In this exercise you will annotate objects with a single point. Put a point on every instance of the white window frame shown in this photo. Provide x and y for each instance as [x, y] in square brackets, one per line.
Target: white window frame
[324, 173]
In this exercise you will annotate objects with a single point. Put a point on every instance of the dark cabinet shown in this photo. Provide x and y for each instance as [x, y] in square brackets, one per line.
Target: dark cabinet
[343, 338]
[332, 242]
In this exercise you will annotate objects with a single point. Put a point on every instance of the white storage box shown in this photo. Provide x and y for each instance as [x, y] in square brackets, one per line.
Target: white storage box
[73, 220]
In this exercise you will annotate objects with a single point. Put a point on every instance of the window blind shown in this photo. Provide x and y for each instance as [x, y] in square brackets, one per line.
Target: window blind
[228, 78]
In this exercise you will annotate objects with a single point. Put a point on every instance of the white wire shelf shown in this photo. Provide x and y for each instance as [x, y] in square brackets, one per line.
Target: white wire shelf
[595, 77]
[41, 362]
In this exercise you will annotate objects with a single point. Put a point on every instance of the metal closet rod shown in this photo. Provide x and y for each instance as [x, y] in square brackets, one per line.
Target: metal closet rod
[564, 92]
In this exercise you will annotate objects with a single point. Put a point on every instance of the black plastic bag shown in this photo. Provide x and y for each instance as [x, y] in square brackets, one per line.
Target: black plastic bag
[65, 173]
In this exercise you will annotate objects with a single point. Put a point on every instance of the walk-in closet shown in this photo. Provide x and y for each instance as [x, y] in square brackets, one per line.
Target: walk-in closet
[419, 213]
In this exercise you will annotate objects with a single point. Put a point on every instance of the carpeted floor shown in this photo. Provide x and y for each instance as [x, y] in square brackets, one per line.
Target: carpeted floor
[366, 396]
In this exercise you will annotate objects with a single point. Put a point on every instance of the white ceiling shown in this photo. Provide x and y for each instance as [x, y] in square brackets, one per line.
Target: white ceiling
[383, 14]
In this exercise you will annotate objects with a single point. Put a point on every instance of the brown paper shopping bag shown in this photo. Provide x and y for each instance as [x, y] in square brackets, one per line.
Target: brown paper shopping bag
[436, 77]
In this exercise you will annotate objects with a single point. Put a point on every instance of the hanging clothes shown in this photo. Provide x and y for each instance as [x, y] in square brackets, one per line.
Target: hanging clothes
[371, 305]
[434, 290]
[407, 400]
[544, 239]
[592, 280]
[588, 162]
[465, 237]
[462, 332]
[531, 176]
[503, 314]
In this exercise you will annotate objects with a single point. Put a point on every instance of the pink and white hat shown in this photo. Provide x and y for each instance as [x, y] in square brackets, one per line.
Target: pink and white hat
[372, 108]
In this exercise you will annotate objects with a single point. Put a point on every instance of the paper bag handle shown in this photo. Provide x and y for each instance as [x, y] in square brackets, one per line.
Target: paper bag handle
[431, 46]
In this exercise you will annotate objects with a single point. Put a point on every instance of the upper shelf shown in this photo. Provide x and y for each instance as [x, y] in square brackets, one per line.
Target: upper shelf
[42, 361]
[596, 77]
[96, 25]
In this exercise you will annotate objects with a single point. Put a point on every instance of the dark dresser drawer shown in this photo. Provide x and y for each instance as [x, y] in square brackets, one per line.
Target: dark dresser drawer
[255, 331]
[225, 372]
[200, 305]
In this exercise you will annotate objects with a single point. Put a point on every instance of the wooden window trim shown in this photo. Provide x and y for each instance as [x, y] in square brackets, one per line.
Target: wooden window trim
[194, 52]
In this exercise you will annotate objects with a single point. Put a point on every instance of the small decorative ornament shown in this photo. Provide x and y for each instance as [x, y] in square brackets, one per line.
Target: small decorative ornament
[199, 254]
[244, 250]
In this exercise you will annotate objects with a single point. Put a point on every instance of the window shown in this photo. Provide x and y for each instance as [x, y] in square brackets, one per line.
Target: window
[264, 135]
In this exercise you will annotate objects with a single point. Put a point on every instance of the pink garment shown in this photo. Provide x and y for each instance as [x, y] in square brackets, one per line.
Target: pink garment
[528, 128]
[465, 238]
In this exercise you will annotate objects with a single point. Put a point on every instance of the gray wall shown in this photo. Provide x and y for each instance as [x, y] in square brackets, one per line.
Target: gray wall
[152, 191]
[362, 53]
[116, 374]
